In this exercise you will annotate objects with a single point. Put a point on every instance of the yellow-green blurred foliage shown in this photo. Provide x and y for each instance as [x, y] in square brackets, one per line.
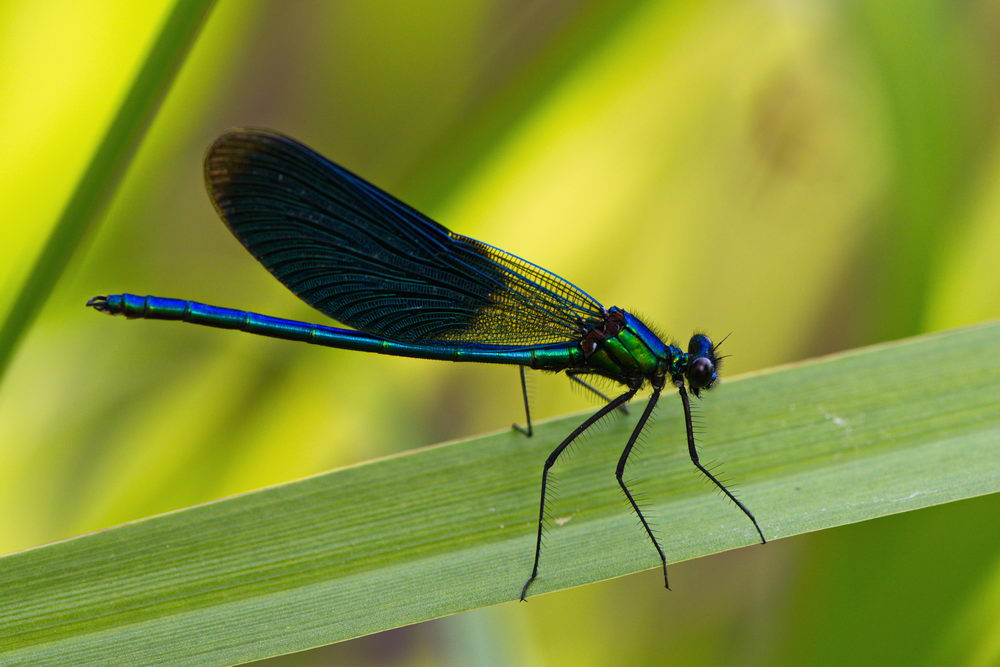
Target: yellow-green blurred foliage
[810, 176]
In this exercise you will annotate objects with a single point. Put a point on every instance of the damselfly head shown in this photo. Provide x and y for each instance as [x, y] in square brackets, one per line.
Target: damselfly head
[703, 366]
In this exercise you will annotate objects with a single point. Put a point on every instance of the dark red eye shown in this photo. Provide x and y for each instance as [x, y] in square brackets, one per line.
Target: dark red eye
[701, 373]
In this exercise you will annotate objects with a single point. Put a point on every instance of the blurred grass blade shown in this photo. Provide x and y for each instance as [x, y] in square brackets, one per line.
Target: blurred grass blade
[506, 108]
[437, 531]
[102, 175]
[936, 147]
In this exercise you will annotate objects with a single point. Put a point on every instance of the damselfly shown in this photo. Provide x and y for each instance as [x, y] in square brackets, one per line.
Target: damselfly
[410, 287]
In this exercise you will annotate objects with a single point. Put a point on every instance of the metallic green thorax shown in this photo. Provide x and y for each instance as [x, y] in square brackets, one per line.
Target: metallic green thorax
[634, 352]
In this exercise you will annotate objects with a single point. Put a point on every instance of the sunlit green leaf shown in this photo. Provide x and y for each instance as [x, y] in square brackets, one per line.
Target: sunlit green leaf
[102, 175]
[450, 528]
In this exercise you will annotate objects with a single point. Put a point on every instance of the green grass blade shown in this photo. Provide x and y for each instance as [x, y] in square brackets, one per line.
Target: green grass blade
[440, 530]
[935, 155]
[105, 169]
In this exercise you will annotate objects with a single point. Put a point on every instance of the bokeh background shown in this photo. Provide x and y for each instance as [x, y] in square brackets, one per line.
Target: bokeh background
[810, 176]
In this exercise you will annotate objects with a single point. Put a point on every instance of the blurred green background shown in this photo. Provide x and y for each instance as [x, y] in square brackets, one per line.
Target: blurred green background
[809, 176]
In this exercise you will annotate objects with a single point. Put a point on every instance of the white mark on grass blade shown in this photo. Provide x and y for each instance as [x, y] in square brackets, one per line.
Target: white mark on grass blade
[900, 499]
[838, 421]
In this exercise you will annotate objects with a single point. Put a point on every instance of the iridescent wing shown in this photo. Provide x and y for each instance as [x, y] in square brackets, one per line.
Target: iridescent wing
[370, 261]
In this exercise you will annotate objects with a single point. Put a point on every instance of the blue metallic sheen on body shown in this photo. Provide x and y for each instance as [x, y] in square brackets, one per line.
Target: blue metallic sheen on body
[542, 357]
[635, 353]
[650, 339]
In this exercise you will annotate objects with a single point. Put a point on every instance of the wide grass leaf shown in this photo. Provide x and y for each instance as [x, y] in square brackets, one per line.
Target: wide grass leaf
[449, 528]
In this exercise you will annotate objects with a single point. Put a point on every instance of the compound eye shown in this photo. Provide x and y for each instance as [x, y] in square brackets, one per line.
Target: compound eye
[701, 373]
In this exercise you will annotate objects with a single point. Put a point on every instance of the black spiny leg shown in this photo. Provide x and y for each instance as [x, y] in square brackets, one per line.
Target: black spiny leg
[575, 377]
[694, 459]
[527, 408]
[620, 470]
[612, 405]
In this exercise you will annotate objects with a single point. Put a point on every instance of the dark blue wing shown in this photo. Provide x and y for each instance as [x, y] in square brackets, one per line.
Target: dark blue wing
[370, 261]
